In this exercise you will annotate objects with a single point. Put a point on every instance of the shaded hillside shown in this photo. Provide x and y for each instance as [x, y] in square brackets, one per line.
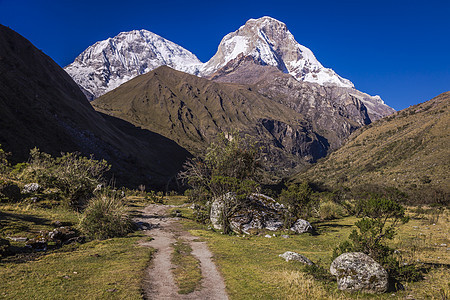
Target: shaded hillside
[409, 150]
[193, 111]
[41, 106]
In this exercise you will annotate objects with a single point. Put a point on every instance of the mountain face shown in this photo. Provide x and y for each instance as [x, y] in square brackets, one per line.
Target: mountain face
[107, 64]
[193, 111]
[41, 106]
[409, 150]
[269, 42]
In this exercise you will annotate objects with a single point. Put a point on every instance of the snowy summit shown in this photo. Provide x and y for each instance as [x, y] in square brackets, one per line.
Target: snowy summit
[270, 42]
[107, 64]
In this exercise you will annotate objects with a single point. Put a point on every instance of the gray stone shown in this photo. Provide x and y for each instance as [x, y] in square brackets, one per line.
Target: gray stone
[302, 226]
[261, 213]
[285, 236]
[357, 271]
[31, 188]
[289, 255]
[17, 239]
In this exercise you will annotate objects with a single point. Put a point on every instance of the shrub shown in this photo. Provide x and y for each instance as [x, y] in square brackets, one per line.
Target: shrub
[105, 217]
[9, 191]
[381, 216]
[299, 201]
[74, 176]
[329, 210]
[4, 164]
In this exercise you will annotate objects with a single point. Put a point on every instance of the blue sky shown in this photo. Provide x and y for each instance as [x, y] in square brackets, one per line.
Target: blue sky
[399, 50]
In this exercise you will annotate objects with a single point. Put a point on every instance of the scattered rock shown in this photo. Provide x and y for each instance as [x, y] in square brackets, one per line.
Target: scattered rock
[302, 226]
[17, 239]
[289, 255]
[31, 188]
[285, 236]
[357, 271]
[143, 225]
[61, 234]
[268, 236]
[57, 224]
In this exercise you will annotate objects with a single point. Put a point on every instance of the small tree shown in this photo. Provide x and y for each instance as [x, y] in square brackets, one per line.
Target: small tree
[231, 164]
[298, 198]
[381, 218]
[4, 164]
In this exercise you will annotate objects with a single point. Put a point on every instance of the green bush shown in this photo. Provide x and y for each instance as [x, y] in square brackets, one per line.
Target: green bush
[299, 201]
[105, 217]
[4, 164]
[74, 176]
[329, 210]
[381, 217]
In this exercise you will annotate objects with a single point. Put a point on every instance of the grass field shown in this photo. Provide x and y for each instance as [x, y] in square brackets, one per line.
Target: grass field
[108, 269]
[252, 269]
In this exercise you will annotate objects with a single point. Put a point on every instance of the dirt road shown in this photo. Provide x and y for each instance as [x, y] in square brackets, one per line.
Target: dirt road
[159, 282]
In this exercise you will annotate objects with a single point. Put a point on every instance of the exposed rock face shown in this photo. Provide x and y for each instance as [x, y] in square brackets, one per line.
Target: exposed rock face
[289, 255]
[107, 64]
[193, 111]
[261, 212]
[302, 226]
[357, 271]
[317, 102]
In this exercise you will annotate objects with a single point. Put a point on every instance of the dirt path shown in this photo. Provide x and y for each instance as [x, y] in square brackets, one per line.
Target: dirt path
[159, 282]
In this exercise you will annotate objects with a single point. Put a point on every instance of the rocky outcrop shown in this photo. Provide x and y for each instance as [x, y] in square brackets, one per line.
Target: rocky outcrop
[357, 271]
[302, 226]
[289, 255]
[260, 213]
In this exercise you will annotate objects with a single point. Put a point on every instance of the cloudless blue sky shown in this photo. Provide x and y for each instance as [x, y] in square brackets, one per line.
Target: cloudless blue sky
[399, 50]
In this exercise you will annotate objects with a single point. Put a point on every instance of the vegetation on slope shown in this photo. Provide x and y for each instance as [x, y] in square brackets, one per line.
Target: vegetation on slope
[409, 150]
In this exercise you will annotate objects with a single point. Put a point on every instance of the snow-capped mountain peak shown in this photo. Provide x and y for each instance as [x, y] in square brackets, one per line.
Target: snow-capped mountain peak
[270, 42]
[111, 62]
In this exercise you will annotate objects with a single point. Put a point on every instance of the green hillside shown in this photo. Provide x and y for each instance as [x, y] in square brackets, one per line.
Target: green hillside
[409, 150]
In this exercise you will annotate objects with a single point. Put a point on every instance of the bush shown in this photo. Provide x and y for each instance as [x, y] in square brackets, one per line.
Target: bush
[381, 216]
[329, 210]
[299, 201]
[74, 176]
[4, 165]
[9, 191]
[105, 217]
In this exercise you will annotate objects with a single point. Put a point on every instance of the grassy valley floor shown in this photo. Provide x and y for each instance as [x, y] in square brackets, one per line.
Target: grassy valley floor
[251, 266]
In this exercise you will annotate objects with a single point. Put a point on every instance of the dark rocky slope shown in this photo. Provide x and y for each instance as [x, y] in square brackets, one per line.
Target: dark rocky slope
[41, 106]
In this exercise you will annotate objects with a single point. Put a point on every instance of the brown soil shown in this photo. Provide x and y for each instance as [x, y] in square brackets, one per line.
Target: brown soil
[159, 282]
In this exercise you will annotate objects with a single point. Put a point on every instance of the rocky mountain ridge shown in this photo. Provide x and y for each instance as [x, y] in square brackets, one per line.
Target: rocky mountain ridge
[275, 111]
[109, 63]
